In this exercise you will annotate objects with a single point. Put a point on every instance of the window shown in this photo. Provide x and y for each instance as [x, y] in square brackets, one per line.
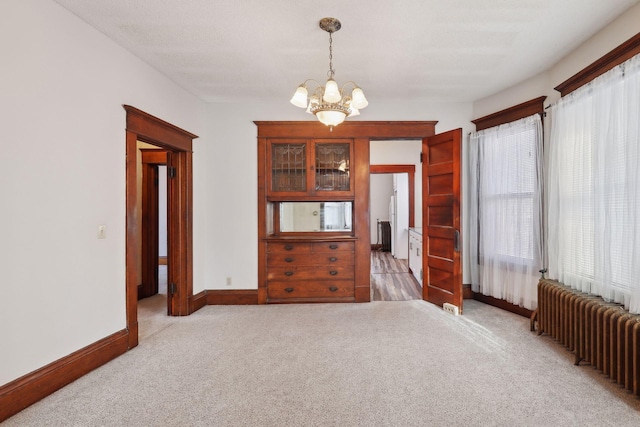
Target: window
[594, 192]
[506, 191]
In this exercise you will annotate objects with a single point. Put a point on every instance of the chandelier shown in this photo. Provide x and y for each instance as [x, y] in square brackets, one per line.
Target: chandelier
[330, 104]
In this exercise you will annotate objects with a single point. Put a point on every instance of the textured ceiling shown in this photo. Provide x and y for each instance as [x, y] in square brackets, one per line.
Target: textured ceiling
[426, 50]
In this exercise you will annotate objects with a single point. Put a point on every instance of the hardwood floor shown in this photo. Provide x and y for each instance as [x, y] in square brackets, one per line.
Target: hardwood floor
[391, 280]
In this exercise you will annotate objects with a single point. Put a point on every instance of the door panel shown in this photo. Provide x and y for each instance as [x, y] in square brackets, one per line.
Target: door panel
[149, 248]
[173, 258]
[442, 282]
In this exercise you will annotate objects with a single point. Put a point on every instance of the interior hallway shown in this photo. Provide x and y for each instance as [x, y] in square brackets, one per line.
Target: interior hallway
[391, 279]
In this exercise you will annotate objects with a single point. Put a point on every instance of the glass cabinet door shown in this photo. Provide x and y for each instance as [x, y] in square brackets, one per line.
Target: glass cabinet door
[288, 167]
[332, 162]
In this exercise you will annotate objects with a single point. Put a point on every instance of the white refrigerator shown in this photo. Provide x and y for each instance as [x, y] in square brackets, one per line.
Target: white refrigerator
[399, 216]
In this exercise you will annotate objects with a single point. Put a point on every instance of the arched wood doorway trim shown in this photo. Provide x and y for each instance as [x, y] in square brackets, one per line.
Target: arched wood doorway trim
[178, 143]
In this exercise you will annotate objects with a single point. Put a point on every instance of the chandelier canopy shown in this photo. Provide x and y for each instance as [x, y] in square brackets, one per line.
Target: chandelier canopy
[330, 104]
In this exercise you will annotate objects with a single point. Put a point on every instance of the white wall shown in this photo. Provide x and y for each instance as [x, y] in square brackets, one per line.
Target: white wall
[619, 31]
[227, 245]
[62, 85]
[381, 190]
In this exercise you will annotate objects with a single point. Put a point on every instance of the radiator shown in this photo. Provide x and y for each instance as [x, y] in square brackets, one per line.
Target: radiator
[385, 230]
[602, 334]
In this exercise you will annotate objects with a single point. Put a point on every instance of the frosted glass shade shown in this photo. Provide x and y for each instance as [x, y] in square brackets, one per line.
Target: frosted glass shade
[299, 99]
[331, 92]
[354, 111]
[331, 117]
[357, 99]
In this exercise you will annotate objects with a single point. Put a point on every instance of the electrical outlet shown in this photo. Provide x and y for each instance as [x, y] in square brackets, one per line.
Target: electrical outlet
[228, 281]
[450, 308]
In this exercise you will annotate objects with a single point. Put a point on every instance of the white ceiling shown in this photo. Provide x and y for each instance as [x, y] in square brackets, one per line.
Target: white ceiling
[426, 50]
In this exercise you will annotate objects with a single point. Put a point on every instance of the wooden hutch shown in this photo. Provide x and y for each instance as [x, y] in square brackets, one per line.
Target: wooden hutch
[313, 208]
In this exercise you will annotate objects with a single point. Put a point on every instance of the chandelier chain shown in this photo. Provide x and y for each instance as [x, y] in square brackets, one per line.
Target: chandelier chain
[331, 71]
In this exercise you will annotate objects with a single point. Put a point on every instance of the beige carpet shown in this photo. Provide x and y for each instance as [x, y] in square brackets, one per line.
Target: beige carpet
[378, 364]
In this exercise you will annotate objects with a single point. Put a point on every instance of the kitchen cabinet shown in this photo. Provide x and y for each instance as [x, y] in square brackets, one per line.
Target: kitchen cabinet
[415, 253]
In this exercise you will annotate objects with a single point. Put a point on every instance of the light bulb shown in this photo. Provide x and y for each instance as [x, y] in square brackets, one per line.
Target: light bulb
[358, 99]
[299, 99]
[331, 92]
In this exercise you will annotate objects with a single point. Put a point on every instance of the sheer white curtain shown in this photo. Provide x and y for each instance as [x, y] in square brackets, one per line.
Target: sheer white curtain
[594, 187]
[506, 211]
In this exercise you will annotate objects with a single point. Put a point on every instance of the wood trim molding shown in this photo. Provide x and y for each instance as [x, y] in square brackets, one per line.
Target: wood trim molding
[362, 256]
[27, 390]
[409, 169]
[156, 131]
[511, 114]
[617, 56]
[356, 129]
[232, 297]
[499, 303]
[467, 293]
[154, 156]
[198, 301]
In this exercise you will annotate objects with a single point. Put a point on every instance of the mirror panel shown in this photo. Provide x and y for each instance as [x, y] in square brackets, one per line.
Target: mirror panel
[315, 216]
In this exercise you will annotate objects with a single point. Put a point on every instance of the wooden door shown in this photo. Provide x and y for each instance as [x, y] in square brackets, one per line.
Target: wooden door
[442, 266]
[173, 258]
[149, 254]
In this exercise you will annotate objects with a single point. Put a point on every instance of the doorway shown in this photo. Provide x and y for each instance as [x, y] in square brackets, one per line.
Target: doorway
[392, 213]
[178, 146]
[153, 221]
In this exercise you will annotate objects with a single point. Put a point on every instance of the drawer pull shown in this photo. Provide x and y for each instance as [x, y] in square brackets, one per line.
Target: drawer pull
[333, 272]
[289, 259]
[333, 288]
[289, 290]
[333, 246]
[288, 273]
[288, 247]
[333, 259]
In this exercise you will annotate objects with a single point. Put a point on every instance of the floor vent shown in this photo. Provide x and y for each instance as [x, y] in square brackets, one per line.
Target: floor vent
[450, 308]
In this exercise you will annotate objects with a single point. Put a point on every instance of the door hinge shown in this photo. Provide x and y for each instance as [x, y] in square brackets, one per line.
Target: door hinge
[171, 171]
[172, 288]
[421, 157]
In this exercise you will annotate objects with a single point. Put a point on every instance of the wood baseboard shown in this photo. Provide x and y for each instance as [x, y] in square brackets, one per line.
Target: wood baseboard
[232, 297]
[27, 390]
[197, 301]
[503, 305]
[467, 293]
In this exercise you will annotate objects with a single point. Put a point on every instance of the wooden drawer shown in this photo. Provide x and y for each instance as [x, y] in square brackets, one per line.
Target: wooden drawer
[289, 247]
[311, 289]
[310, 272]
[306, 247]
[328, 259]
[333, 246]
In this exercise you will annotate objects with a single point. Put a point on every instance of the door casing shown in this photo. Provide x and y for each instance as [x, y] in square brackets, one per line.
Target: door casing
[178, 144]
